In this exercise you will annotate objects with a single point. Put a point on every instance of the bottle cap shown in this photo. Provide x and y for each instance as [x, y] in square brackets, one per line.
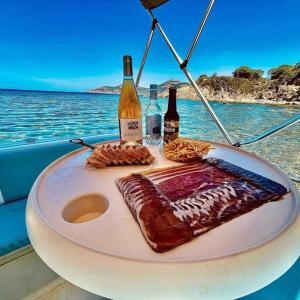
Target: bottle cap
[127, 58]
[127, 62]
[172, 90]
[153, 91]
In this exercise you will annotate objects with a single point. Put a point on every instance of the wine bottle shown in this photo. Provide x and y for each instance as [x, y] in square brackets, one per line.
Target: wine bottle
[129, 110]
[153, 118]
[171, 119]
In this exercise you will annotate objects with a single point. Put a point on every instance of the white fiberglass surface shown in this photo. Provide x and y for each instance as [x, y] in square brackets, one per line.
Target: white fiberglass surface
[116, 233]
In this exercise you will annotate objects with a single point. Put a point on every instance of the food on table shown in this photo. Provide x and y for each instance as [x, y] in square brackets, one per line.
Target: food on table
[171, 119]
[129, 109]
[113, 155]
[186, 150]
[174, 205]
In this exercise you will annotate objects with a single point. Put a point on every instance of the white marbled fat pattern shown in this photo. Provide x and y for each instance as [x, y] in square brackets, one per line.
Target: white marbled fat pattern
[201, 203]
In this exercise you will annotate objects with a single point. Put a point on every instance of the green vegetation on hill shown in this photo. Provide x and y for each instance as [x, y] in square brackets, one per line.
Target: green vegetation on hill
[282, 84]
[231, 84]
[247, 73]
[286, 74]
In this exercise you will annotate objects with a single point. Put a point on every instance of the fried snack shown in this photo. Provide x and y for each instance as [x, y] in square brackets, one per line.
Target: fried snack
[186, 150]
[114, 155]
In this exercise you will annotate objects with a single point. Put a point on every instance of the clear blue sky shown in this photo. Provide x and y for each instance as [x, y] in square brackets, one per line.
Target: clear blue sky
[76, 45]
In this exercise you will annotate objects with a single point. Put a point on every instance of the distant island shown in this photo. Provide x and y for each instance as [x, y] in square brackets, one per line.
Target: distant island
[246, 85]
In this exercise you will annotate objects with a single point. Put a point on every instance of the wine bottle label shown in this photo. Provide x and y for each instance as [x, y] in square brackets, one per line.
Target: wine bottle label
[131, 129]
[153, 126]
[171, 130]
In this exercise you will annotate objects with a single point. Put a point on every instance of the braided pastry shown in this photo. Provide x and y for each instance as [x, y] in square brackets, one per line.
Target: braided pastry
[109, 155]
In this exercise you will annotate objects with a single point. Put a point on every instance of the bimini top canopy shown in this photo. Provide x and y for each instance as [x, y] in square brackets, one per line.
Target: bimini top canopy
[150, 4]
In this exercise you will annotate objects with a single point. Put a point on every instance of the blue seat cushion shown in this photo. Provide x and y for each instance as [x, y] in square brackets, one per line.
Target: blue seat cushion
[21, 165]
[287, 287]
[13, 233]
[19, 168]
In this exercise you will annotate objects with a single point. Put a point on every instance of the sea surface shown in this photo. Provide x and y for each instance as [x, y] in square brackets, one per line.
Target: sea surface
[30, 117]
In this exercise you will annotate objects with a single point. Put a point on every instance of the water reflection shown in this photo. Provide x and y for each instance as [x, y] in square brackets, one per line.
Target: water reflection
[34, 117]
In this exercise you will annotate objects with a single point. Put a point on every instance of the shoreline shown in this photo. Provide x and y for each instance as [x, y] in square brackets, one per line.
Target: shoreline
[295, 104]
[262, 102]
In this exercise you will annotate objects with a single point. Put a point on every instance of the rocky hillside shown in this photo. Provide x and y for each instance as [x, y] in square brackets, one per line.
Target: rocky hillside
[226, 88]
[162, 88]
[117, 90]
[246, 85]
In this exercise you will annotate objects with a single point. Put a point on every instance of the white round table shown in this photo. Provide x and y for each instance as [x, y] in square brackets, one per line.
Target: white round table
[80, 226]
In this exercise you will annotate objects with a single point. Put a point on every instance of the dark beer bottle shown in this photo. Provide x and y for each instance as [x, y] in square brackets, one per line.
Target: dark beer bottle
[171, 120]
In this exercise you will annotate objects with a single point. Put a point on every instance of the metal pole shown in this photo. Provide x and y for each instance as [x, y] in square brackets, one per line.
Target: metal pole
[208, 107]
[183, 65]
[199, 31]
[138, 78]
[272, 131]
[192, 81]
[177, 57]
[295, 179]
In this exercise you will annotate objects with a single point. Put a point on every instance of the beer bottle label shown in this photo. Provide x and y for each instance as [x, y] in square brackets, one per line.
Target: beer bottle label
[153, 126]
[171, 130]
[131, 129]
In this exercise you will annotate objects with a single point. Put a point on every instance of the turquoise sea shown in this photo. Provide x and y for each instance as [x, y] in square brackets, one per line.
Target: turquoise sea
[29, 117]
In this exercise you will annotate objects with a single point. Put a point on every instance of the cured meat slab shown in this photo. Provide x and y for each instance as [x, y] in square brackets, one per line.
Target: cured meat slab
[174, 205]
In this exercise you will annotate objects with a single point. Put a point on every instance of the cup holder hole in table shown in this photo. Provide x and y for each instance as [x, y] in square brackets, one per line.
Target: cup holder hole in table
[85, 208]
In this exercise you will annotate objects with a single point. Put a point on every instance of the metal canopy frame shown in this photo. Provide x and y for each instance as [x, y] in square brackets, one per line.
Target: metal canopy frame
[183, 64]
